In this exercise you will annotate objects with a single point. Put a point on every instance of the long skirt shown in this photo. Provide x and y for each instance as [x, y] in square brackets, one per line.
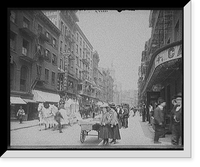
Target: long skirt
[104, 132]
[115, 134]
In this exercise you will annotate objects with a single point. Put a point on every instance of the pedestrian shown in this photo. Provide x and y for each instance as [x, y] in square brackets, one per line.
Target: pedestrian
[58, 117]
[159, 120]
[125, 117]
[177, 120]
[105, 125]
[20, 114]
[143, 112]
[114, 124]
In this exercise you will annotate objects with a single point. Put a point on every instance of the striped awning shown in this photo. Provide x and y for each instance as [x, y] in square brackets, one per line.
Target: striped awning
[16, 100]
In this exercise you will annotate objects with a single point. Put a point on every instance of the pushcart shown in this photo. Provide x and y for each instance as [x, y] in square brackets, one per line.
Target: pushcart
[86, 127]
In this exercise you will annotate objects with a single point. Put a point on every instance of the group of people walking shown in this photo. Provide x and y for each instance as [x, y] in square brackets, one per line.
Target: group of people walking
[109, 125]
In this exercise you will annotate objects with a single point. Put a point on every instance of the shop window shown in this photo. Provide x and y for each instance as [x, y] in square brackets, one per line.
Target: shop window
[23, 78]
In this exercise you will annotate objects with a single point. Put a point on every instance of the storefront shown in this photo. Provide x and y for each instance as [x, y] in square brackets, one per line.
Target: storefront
[165, 77]
[15, 103]
[27, 103]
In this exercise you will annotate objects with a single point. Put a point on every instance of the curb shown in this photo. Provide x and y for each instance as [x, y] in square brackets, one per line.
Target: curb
[24, 127]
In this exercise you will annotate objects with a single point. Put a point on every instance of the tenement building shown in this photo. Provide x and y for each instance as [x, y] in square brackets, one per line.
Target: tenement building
[161, 72]
[33, 61]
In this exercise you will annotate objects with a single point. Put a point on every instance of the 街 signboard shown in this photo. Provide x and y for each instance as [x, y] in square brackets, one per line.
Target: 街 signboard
[168, 54]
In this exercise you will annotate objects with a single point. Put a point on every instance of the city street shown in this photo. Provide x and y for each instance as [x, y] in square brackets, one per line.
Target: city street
[137, 135]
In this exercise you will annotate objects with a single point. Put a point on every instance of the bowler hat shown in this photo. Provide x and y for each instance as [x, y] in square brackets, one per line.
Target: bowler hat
[179, 95]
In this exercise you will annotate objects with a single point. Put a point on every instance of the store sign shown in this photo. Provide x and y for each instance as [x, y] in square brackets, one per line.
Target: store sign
[169, 54]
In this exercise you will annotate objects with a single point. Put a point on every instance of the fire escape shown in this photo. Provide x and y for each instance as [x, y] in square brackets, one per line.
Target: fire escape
[39, 56]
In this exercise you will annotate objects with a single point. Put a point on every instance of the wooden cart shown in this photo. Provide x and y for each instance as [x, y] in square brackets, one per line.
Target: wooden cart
[86, 127]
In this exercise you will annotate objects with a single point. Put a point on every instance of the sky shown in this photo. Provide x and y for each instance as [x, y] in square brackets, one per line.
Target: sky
[119, 38]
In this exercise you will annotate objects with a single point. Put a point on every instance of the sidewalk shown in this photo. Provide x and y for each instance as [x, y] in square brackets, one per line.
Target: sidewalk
[15, 125]
[139, 135]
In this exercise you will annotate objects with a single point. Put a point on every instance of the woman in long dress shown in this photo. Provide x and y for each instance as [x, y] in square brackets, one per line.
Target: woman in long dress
[105, 126]
[114, 130]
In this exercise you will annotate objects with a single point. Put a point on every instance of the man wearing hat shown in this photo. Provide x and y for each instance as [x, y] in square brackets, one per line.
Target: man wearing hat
[159, 120]
[177, 120]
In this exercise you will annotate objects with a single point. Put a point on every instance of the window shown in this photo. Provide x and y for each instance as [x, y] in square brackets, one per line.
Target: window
[80, 41]
[47, 55]
[53, 78]
[80, 63]
[25, 47]
[39, 70]
[65, 48]
[47, 34]
[76, 48]
[13, 16]
[80, 52]
[66, 31]
[80, 74]
[26, 23]
[77, 36]
[12, 40]
[61, 43]
[76, 59]
[54, 59]
[76, 72]
[61, 64]
[46, 75]
[176, 33]
[40, 29]
[23, 78]
[83, 44]
[54, 42]
[168, 41]
[61, 27]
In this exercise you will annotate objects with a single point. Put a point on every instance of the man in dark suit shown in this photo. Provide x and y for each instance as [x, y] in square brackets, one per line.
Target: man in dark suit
[177, 120]
[159, 120]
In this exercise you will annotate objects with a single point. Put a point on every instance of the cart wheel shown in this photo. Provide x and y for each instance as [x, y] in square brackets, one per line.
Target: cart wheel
[82, 136]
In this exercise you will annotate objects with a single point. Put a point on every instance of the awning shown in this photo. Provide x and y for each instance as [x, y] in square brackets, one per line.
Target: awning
[16, 100]
[40, 96]
[29, 101]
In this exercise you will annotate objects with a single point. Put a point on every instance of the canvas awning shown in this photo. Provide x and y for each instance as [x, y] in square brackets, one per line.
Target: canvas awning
[16, 100]
[40, 96]
[29, 101]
